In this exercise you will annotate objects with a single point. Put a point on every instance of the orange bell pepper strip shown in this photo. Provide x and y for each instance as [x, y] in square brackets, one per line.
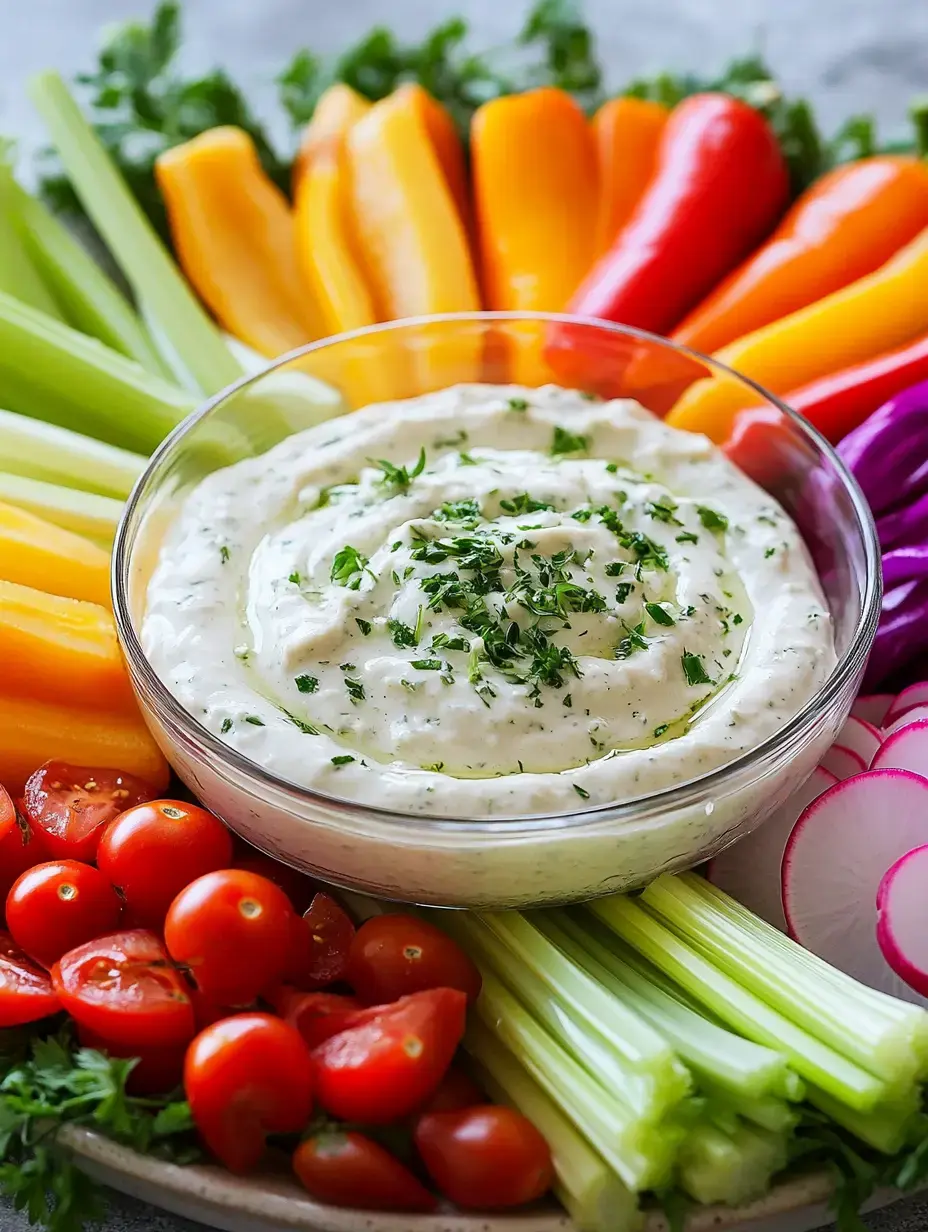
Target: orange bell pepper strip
[233, 233]
[876, 313]
[446, 143]
[848, 224]
[627, 133]
[411, 239]
[337, 109]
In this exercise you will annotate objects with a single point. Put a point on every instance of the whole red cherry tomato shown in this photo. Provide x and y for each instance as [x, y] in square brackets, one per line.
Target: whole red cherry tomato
[245, 1077]
[316, 1015]
[232, 929]
[152, 851]
[456, 1090]
[394, 955]
[26, 993]
[320, 942]
[485, 1157]
[124, 988]
[297, 887]
[69, 805]
[55, 906]
[157, 1071]
[348, 1169]
[390, 1058]
[20, 847]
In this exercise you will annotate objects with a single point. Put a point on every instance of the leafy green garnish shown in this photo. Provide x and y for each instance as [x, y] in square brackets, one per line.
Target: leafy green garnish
[563, 441]
[694, 669]
[342, 759]
[659, 614]
[306, 684]
[712, 520]
[347, 566]
[463, 511]
[364, 625]
[399, 478]
[517, 404]
[355, 690]
[426, 665]
[523, 503]
[401, 633]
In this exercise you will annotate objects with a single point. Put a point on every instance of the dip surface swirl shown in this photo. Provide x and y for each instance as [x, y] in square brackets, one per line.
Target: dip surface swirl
[488, 602]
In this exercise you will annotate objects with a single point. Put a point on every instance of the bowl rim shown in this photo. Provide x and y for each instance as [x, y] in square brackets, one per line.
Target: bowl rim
[675, 796]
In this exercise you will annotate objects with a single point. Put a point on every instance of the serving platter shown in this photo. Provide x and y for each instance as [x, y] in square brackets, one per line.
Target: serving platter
[271, 1200]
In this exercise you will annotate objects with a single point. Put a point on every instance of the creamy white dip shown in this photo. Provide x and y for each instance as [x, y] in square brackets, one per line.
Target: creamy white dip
[488, 601]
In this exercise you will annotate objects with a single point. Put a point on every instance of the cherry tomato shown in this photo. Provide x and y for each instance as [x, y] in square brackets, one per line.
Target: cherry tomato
[395, 955]
[316, 1015]
[485, 1157]
[456, 1090]
[20, 846]
[55, 906]
[153, 850]
[26, 992]
[232, 929]
[319, 945]
[245, 1077]
[69, 805]
[348, 1169]
[158, 1070]
[297, 887]
[124, 988]
[390, 1058]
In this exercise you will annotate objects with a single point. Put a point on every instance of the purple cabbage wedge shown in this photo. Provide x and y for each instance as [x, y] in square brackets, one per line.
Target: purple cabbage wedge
[888, 455]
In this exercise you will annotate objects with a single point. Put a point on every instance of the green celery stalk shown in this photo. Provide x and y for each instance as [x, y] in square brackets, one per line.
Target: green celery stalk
[594, 1197]
[86, 513]
[767, 1111]
[735, 1064]
[642, 1158]
[737, 1006]
[715, 1166]
[18, 275]
[45, 451]
[592, 1047]
[88, 298]
[885, 1127]
[114, 398]
[883, 1035]
[146, 264]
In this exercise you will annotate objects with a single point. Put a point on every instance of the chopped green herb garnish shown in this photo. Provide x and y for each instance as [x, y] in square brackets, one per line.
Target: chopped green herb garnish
[355, 690]
[568, 701]
[464, 459]
[306, 728]
[401, 633]
[396, 545]
[687, 536]
[399, 477]
[295, 578]
[254, 720]
[660, 731]
[615, 568]
[694, 669]
[659, 614]
[622, 591]
[612, 467]
[347, 567]
[712, 520]
[584, 795]
[347, 667]
[518, 404]
[226, 726]
[417, 632]
[523, 503]
[342, 759]
[737, 620]
[567, 442]
[426, 665]
[224, 554]
[770, 552]
[458, 511]
[441, 641]
[307, 684]
[364, 625]
[663, 511]
[633, 640]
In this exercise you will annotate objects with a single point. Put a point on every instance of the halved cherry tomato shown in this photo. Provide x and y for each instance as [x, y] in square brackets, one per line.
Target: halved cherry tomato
[485, 1157]
[26, 993]
[348, 1169]
[390, 1058]
[157, 1071]
[395, 955]
[320, 943]
[125, 988]
[55, 906]
[232, 929]
[456, 1090]
[316, 1015]
[69, 805]
[297, 887]
[245, 1077]
[152, 851]
[20, 846]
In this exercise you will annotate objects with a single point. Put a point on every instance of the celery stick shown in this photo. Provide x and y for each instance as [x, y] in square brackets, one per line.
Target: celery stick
[737, 1006]
[642, 1157]
[113, 397]
[592, 1047]
[18, 275]
[883, 1035]
[717, 1167]
[90, 301]
[44, 451]
[594, 1197]
[767, 1111]
[885, 1127]
[148, 268]
[738, 1065]
[86, 513]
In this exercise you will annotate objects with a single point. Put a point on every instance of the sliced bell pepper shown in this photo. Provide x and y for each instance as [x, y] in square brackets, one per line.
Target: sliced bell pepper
[883, 310]
[337, 109]
[233, 233]
[446, 143]
[848, 224]
[627, 133]
[37, 553]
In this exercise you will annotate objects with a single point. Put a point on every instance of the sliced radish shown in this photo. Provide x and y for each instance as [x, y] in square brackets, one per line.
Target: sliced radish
[834, 861]
[749, 870]
[910, 697]
[861, 738]
[873, 707]
[902, 918]
[915, 715]
[842, 762]
[905, 749]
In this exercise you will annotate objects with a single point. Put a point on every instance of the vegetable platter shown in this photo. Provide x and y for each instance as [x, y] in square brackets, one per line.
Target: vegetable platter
[190, 1020]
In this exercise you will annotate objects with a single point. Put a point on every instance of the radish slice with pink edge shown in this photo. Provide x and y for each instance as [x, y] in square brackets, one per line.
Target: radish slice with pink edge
[902, 919]
[905, 749]
[873, 708]
[915, 715]
[861, 738]
[910, 697]
[749, 870]
[842, 762]
[834, 860]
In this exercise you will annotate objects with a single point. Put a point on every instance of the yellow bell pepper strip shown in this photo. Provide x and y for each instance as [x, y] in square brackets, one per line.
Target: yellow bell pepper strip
[37, 553]
[339, 107]
[446, 143]
[233, 233]
[876, 313]
[627, 133]
[411, 239]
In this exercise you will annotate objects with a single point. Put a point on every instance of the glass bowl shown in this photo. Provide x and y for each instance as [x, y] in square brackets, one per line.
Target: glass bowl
[524, 861]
